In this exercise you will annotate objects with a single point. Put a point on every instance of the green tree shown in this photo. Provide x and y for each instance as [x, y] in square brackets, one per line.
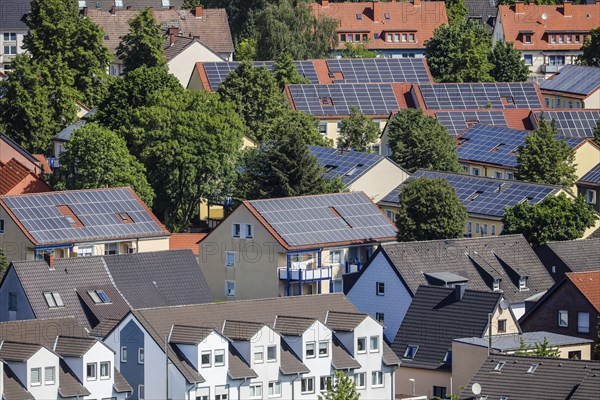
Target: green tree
[596, 355]
[539, 349]
[286, 72]
[341, 387]
[457, 11]
[96, 157]
[429, 209]
[358, 50]
[143, 45]
[292, 120]
[591, 49]
[245, 50]
[554, 218]
[459, 53]
[546, 158]
[3, 263]
[597, 133]
[509, 65]
[418, 141]
[358, 132]
[290, 26]
[283, 168]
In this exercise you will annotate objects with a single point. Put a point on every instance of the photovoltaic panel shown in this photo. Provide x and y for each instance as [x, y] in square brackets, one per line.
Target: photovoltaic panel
[592, 176]
[378, 70]
[370, 98]
[576, 79]
[458, 121]
[459, 96]
[348, 165]
[96, 209]
[328, 218]
[579, 123]
[486, 196]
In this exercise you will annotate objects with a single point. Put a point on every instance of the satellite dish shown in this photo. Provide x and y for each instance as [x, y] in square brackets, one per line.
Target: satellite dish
[504, 304]
[544, 16]
[476, 388]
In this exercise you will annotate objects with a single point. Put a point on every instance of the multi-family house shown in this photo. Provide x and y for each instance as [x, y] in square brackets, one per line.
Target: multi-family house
[548, 36]
[359, 171]
[78, 223]
[391, 29]
[12, 30]
[572, 123]
[482, 12]
[574, 86]
[132, 4]
[386, 286]
[437, 316]
[20, 171]
[570, 256]
[269, 348]
[292, 246]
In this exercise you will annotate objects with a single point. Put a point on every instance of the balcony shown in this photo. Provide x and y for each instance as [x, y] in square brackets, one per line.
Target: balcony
[305, 275]
[547, 68]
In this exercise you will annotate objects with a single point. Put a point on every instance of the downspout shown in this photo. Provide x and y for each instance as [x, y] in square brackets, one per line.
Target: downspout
[294, 380]
[190, 389]
[393, 394]
[240, 389]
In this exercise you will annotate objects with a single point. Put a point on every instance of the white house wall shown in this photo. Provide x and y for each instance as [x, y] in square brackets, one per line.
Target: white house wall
[184, 63]
[42, 359]
[99, 388]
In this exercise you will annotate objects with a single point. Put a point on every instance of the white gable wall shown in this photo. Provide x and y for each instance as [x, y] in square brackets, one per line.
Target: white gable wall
[42, 359]
[184, 63]
[99, 388]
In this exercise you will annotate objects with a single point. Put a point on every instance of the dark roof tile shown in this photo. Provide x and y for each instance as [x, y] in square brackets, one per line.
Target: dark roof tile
[120, 384]
[69, 385]
[578, 255]
[13, 388]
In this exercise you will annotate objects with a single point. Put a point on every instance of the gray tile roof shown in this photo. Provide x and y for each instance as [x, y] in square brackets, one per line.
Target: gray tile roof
[577, 79]
[348, 165]
[182, 334]
[389, 357]
[65, 134]
[96, 313]
[238, 367]
[555, 378]
[13, 14]
[73, 346]
[435, 317]
[241, 330]
[184, 365]
[344, 321]
[578, 255]
[512, 341]
[292, 326]
[41, 331]
[290, 362]
[104, 327]
[13, 388]
[68, 384]
[484, 9]
[120, 383]
[588, 388]
[20, 352]
[341, 358]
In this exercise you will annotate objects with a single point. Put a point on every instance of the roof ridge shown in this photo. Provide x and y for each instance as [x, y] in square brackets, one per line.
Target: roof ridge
[488, 178]
[513, 235]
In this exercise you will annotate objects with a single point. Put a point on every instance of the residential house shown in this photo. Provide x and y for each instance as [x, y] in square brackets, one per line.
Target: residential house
[515, 377]
[95, 289]
[12, 30]
[483, 12]
[589, 186]
[134, 5]
[188, 241]
[361, 172]
[549, 36]
[59, 141]
[292, 246]
[391, 29]
[570, 307]
[574, 86]
[570, 256]
[468, 354]
[437, 316]
[573, 123]
[385, 287]
[78, 222]
[55, 358]
[20, 171]
[280, 347]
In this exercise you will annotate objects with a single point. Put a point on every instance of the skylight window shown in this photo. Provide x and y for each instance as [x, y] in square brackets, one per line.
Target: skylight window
[495, 149]
[448, 357]
[125, 218]
[70, 216]
[359, 17]
[330, 168]
[410, 351]
[386, 16]
[353, 169]
[475, 195]
[326, 101]
[98, 296]
[532, 368]
[53, 299]
[499, 366]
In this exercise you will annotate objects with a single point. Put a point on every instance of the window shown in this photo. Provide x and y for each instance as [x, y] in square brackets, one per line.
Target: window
[85, 251]
[563, 318]
[448, 357]
[439, 391]
[53, 299]
[259, 354]
[469, 228]
[380, 288]
[484, 229]
[271, 353]
[274, 389]
[475, 171]
[501, 326]
[532, 368]
[361, 345]
[98, 296]
[343, 37]
[230, 288]
[583, 322]
[493, 230]
[91, 372]
[391, 215]
[205, 357]
[510, 175]
[569, 38]
[141, 393]
[411, 37]
[396, 37]
[310, 350]
[528, 39]
[307, 385]
[203, 393]
[575, 355]
[561, 39]
[388, 37]
[111, 249]
[1, 226]
[359, 16]
[123, 354]
[374, 344]
[49, 376]
[553, 39]
[323, 128]
[105, 370]
[557, 103]
[380, 317]
[476, 227]
[324, 383]
[35, 376]
[590, 196]
[323, 348]
[12, 301]
[166, 3]
[10, 36]
[523, 283]
[557, 60]
[222, 392]
[335, 257]
[496, 285]
[141, 355]
[249, 231]
[377, 378]
[404, 37]
[499, 366]
[219, 358]
[235, 230]
[577, 39]
[410, 351]
[528, 59]
[360, 380]
[10, 50]
[386, 16]
[230, 259]
[256, 391]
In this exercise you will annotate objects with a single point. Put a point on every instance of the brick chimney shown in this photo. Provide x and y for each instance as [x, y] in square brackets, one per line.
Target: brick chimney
[567, 9]
[113, 10]
[84, 11]
[198, 11]
[324, 3]
[416, 3]
[520, 7]
[375, 10]
[49, 258]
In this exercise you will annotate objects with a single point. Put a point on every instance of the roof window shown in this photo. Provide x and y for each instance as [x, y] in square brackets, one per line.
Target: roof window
[532, 368]
[353, 169]
[386, 16]
[70, 216]
[495, 149]
[410, 352]
[125, 218]
[98, 296]
[326, 101]
[499, 366]
[359, 17]
[475, 195]
[53, 299]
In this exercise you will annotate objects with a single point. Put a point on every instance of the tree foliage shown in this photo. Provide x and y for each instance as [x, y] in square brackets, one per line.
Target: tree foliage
[509, 65]
[358, 132]
[597, 133]
[295, 121]
[96, 157]
[341, 387]
[245, 50]
[429, 209]
[286, 72]
[596, 354]
[539, 349]
[418, 141]
[143, 45]
[545, 158]
[457, 11]
[554, 218]
[591, 49]
[459, 53]
[3, 263]
[357, 50]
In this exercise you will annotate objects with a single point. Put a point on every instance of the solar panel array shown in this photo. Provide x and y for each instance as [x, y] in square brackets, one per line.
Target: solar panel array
[573, 123]
[328, 218]
[379, 70]
[458, 121]
[370, 98]
[96, 209]
[593, 175]
[576, 79]
[485, 196]
[461, 96]
[217, 72]
[348, 165]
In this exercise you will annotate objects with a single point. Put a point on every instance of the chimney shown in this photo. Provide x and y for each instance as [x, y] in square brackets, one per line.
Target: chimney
[171, 39]
[324, 3]
[84, 11]
[171, 7]
[459, 291]
[49, 258]
[198, 11]
[416, 3]
[520, 7]
[567, 9]
[375, 10]
[113, 10]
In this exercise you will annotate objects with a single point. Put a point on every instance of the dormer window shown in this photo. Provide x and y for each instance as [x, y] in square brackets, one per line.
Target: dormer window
[98, 296]
[496, 285]
[359, 17]
[448, 357]
[523, 283]
[527, 39]
[410, 352]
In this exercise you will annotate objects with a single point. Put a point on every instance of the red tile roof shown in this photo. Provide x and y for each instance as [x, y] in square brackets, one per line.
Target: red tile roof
[588, 284]
[186, 241]
[421, 18]
[13, 173]
[580, 19]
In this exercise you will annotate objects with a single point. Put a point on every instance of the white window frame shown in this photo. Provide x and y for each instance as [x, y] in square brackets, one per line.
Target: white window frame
[252, 391]
[308, 388]
[274, 389]
[123, 354]
[583, 328]
[230, 259]
[141, 392]
[141, 355]
[361, 380]
[566, 319]
[323, 382]
[391, 215]
[85, 251]
[377, 379]
[208, 354]
[229, 292]
[221, 353]
[93, 377]
[496, 285]
[109, 247]
[272, 359]
[222, 392]
[236, 227]
[414, 353]
[249, 231]
[378, 288]
[376, 348]
[314, 350]
[108, 374]
[39, 377]
[324, 344]
[590, 196]
[523, 282]
[47, 381]
[364, 340]
[258, 356]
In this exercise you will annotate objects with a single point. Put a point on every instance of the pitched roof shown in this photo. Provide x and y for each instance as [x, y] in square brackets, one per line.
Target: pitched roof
[41, 331]
[19, 352]
[571, 122]
[341, 358]
[6, 141]
[592, 176]
[291, 325]
[558, 376]
[340, 321]
[583, 18]
[512, 341]
[183, 334]
[421, 18]
[66, 346]
[69, 384]
[588, 284]
[14, 173]
[578, 255]
[13, 14]
[457, 121]
[137, 4]
[320, 220]
[98, 211]
[238, 367]
[241, 330]
[481, 9]
[13, 388]
[190, 241]
[120, 383]
[435, 317]
[575, 79]
[65, 134]
[290, 363]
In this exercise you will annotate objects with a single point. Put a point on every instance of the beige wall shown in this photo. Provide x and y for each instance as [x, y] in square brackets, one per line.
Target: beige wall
[183, 65]
[593, 101]
[8, 152]
[487, 170]
[13, 241]
[332, 132]
[587, 156]
[512, 325]
[380, 180]
[425, 379]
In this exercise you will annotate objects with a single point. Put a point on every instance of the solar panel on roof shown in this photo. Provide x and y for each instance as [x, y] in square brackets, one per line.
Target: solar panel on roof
[347, 165]
[378, 70]
[592, 175]
[579, 123]
[458, 121]
[576, 79]
[457, 96]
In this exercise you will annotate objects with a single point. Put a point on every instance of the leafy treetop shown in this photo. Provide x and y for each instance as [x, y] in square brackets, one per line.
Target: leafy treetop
[591, 49]
[143, 45]
[358, 132]
[509, 65]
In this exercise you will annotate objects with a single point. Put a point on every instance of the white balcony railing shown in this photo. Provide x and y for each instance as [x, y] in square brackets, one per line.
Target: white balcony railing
[297, 274]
